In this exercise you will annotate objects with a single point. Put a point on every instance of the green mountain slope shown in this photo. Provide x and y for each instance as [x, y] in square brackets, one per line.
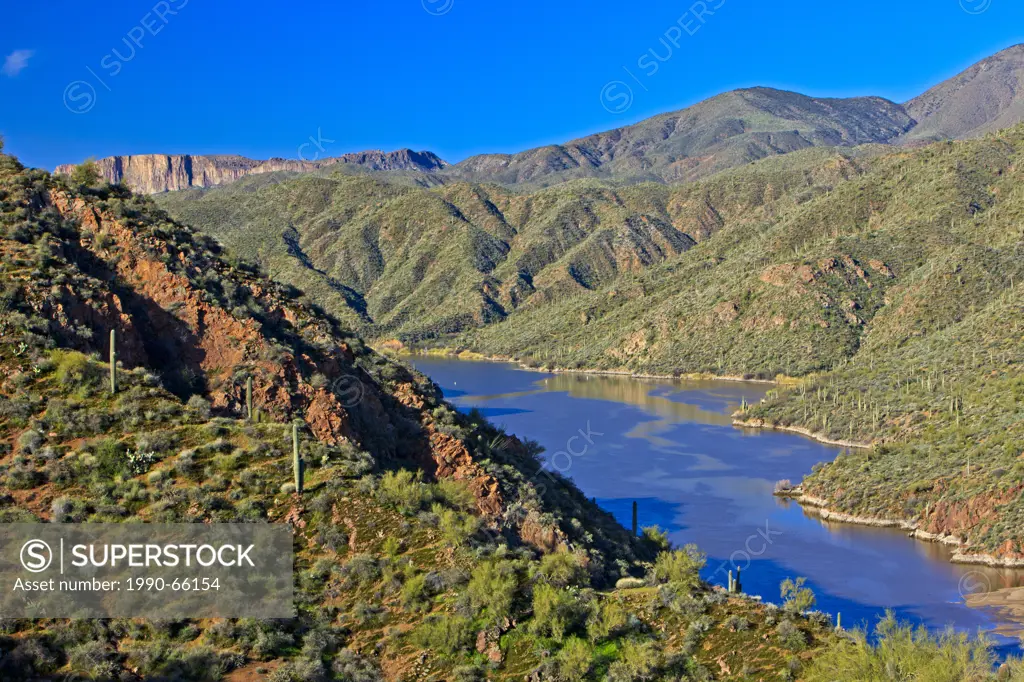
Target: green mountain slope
[719, 133]
[984, 98]
[400, 260]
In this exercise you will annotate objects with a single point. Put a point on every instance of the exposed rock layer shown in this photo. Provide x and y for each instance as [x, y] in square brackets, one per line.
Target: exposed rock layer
[155, 173]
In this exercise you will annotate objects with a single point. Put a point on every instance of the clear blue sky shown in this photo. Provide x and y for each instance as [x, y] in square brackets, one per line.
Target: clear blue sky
[454, 76]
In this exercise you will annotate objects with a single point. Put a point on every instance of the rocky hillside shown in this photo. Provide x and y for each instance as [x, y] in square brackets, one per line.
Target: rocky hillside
[429, 545]
[984, 98]
[155, 173]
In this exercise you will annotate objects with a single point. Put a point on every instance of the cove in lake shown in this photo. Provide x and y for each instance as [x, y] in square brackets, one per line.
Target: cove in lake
[671, 446]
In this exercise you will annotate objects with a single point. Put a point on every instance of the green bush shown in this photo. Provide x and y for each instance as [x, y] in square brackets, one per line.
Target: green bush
[574, 660]
[555, 611]
[607, 619]
[404, 490]
[680, 567]
[492, 589]
[796, 597]
[902, 653]
[456, 527]
[447, 634]
[564, 569]
[75, 370]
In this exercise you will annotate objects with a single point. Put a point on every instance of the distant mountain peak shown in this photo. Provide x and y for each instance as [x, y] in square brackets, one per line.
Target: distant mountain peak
[985, 97]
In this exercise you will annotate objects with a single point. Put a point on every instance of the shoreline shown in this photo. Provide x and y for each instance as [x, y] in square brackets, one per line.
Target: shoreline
[472, 355]
[762, 424]
[819, 507]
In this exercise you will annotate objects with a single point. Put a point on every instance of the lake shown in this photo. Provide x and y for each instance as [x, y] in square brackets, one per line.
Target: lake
[671, 446]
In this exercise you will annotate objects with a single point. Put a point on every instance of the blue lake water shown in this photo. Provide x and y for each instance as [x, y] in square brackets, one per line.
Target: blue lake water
[671, 446]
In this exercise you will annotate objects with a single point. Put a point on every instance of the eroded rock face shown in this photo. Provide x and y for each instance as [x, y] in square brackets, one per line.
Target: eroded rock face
[155, 173]
[198, 335]
[172, 313]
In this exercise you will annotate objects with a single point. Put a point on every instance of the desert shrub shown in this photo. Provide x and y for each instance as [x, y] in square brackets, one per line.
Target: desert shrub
[680, 567]
[456, 494]
[94, 660]
[446, 634]
[350, 666]
[902, 653]
[75, 370]
[796, 597]
[332, 537]
[655, 539]
[362, 569]
[574, 660]
[300, 671]
[555, 611]
[564, 569]
[492, 588]
[791, 636]
[404, 490]
[456, 527]
[30, 659]
[199, 406]
[469, 673]
[607, 619]
[110, 458]
[636, 661]
[29, 441]
[415, 593]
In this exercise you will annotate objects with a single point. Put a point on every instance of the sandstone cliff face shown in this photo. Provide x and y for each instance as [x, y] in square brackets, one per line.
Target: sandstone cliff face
[155, 173]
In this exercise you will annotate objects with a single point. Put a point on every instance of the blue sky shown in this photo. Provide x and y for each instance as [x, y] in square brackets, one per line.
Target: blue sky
[457, 77]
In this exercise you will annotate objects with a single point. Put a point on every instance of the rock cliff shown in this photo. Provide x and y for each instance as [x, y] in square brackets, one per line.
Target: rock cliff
[155, 173]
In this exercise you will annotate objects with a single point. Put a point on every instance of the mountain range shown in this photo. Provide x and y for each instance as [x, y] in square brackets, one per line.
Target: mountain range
[722, 132]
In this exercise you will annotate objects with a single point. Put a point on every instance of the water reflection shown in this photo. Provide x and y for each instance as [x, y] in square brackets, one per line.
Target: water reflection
[671, 446]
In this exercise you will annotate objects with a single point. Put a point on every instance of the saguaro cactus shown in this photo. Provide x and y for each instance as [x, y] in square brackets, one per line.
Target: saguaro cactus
[297, 465]
[248, 397]
[113, 361]
[634, 519]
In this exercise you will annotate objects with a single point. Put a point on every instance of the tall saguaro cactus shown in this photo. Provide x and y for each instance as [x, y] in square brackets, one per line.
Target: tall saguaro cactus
[248, 397]
[297, 465]
[113, 361]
